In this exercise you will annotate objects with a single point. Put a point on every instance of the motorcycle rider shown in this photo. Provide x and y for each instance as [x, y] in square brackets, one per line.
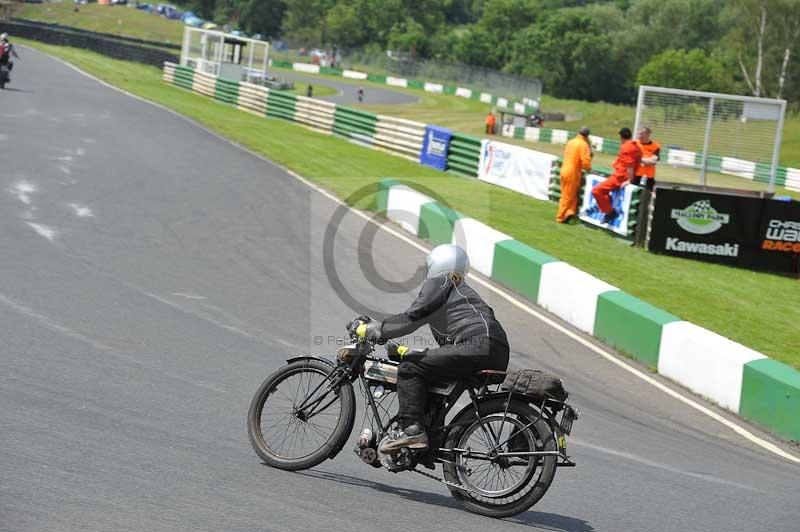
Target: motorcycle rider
[6, 51]
[470, 339]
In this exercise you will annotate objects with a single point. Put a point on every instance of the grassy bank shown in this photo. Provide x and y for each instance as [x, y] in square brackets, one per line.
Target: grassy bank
[117, 20]
[736, 303]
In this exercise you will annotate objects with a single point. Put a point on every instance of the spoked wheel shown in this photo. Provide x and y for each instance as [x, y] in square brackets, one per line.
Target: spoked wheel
[298, 418]
[490, 462]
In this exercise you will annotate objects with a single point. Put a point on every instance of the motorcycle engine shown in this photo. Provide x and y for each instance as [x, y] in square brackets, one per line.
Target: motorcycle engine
[399, 461]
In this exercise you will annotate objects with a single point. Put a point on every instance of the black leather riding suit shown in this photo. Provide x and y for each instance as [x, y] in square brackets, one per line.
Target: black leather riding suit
[464, 326]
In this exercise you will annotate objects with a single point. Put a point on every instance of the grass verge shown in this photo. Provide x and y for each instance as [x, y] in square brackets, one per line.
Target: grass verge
[749, 307]
[320, 90]
[117, 20]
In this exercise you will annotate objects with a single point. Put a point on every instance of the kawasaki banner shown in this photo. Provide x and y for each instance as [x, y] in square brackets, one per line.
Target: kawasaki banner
[520, 169]
[435, 146]
[748, 232]
[620, 199]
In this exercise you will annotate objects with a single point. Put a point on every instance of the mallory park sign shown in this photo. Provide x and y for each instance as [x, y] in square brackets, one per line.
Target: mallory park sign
[743, 231]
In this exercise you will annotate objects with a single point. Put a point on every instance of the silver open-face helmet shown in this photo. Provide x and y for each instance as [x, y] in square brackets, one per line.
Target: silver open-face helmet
[446, 258]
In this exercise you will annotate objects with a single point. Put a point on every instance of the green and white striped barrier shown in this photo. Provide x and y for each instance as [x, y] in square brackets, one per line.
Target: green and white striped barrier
[787, 177]
[395, 135]
[731, 375]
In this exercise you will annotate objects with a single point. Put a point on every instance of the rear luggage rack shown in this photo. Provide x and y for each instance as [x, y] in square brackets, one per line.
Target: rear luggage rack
[567, 419]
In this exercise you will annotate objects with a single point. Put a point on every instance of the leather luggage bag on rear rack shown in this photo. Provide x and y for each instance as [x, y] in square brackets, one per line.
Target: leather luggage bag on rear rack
[535, 383]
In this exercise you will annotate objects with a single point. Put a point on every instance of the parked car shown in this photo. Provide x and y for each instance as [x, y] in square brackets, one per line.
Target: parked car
[193, 21]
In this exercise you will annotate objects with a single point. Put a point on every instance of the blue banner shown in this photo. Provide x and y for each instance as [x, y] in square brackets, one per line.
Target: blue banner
[620, 200]
[435, 146]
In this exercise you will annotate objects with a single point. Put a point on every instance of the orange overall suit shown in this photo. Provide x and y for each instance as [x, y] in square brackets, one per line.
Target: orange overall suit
[630, 156]
[577, 157]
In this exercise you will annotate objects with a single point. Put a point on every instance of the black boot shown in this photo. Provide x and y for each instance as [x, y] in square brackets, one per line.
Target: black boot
[412, 437]
[610, 216]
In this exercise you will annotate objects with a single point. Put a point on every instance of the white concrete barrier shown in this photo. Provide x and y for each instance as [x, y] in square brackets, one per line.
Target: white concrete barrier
[681, 158]
[571, 294]
[306, 67]
[704, 362]
[434, 87]
[559, 136]
[532, 134]
[396, 82]
[404, 205]
[738, 167]
[478, 240]
[354, 74]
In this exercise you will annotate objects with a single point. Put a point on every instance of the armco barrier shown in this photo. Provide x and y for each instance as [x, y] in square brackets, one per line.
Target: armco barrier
[114, 47]
[729, 374]
[464, 154]
[399, 135]
[96, 34]
[358, 126]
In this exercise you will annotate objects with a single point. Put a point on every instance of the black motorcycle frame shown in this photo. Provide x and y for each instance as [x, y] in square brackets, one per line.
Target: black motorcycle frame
[438, 430]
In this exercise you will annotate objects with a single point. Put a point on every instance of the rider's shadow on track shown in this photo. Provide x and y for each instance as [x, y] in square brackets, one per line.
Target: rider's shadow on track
[541, 520]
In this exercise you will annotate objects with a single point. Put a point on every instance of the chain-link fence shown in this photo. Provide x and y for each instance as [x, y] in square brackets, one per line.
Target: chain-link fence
[406, 66]
[711, 132]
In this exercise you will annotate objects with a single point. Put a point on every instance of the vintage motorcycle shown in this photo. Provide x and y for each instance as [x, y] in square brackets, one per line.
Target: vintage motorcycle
[498, 454]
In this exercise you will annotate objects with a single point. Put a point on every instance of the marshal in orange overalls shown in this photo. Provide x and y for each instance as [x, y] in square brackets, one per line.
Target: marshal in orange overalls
[490, 122]
[630, 156]
[577, 157]
[650, 150]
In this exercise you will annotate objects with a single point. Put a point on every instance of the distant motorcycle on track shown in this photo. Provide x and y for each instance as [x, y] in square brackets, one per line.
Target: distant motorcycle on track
[4, 76]
[498, 454]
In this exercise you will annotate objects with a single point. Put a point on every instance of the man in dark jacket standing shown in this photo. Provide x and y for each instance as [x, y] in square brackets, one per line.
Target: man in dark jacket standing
[470, 339]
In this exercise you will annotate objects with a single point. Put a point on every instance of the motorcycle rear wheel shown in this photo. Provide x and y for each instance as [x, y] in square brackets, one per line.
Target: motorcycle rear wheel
[538, 471]
[281, 435]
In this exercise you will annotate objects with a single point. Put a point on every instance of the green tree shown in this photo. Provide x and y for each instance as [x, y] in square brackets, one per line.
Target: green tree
[763, 36]
[681, 69]
[204, 8]
[305, 20]
[409, 36]
[572, 56]
[487, 43]
[262, 16]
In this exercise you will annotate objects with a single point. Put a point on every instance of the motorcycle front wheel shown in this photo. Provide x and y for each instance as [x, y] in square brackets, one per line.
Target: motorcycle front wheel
[505, 486]
[298, 418]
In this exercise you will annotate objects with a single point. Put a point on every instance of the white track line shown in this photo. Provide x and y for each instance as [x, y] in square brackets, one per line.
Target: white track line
[738, 429]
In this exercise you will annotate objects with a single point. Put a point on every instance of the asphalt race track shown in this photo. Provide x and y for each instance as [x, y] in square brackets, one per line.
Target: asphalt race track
[152, 275]
[348, 92]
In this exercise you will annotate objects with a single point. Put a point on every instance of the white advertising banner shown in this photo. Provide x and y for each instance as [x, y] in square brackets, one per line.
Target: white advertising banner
[620, 200]
[516, 168]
